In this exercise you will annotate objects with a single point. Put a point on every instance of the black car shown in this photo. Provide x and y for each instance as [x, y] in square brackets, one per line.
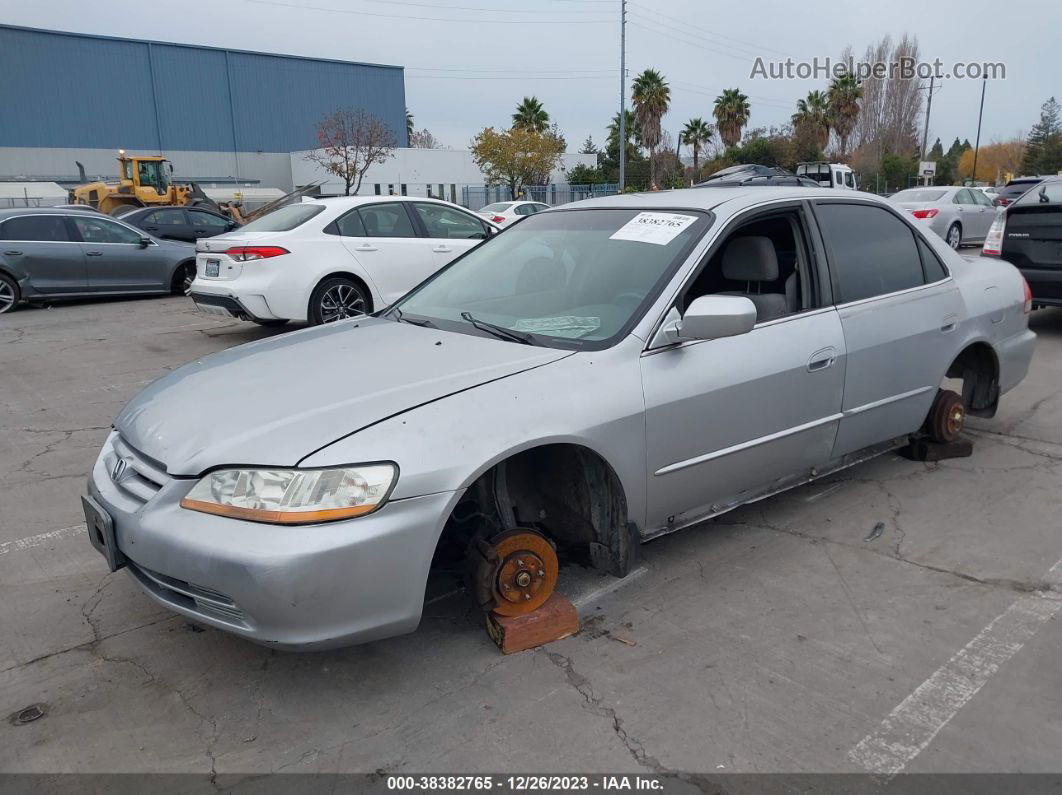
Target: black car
[48, 253]
[753, 174]
[1028, 235]
[1015, 188]
[179, 223]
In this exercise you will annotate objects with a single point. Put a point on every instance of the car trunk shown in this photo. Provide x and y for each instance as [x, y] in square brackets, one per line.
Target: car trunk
[1032, 242]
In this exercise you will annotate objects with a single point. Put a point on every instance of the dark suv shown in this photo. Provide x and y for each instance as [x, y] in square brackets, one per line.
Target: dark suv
[748, 174]
[1015, 188]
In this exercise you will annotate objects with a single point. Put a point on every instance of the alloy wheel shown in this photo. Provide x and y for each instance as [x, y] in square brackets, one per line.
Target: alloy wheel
[954, 237]
[189, 277]
[7, 296]
[341, 301]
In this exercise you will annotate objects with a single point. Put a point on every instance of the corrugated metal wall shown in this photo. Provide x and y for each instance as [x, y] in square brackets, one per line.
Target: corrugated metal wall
[69, 90]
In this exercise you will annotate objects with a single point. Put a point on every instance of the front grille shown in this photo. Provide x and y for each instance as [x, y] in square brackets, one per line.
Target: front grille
[133, 472]
[205, 601]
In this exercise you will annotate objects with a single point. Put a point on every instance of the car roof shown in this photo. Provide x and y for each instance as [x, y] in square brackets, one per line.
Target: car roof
[736, 197]
[16, 211]
[356, 201]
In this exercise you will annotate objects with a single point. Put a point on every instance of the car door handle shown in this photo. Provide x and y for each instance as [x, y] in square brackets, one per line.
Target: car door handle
[442, 249]
[152, 228]
[93, 253]
[821, 359]
[13, 253]
[365, 247]
[949, 324]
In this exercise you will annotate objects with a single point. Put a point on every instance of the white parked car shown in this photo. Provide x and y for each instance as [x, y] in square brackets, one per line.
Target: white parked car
[328, 259]
[505, 213]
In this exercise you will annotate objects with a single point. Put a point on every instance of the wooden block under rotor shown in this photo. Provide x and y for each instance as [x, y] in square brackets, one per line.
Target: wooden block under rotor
[556, 619]
[926, 450]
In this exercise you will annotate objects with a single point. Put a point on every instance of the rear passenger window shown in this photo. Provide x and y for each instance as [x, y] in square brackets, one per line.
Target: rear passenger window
[41, 228]
[165, 218]
[350, 225]
[872, 251]
[386, 220]
[932, 267]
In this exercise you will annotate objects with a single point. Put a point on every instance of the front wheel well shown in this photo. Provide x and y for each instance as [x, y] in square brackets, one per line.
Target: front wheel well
[565, 491]
[978, 368]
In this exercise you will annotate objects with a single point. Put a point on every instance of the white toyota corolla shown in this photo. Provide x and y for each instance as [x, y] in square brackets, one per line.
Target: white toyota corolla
[327, 259]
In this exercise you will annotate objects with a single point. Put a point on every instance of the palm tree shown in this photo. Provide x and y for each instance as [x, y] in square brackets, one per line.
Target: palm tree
[651, 97]
[843, 97]
[531, 116]
[813, 115]
[697, 134]
[731, 113]
[409, 125]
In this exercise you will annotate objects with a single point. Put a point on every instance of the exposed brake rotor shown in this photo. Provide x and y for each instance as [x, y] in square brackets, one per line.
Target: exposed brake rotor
[515, 572]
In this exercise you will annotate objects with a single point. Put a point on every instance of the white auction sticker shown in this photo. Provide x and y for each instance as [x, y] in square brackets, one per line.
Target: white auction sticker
[657, 228]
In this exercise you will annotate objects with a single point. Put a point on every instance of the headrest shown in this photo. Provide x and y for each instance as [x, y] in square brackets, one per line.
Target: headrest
[750, 259]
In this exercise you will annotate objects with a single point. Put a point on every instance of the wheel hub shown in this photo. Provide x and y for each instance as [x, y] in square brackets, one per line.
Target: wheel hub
[955, 419]
[517, 572]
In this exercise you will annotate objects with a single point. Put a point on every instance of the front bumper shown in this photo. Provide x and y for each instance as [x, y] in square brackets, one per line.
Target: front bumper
[297, 588]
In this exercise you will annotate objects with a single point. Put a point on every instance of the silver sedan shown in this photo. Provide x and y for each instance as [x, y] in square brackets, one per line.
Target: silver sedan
[598, 375]
[959, 215]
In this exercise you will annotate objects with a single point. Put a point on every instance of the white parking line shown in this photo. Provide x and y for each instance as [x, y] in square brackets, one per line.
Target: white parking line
[912, 725]
[35, 541]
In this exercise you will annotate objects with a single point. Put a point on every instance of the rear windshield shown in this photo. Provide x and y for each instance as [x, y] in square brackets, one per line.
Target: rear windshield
[1013, 189]
[284, 219]
[918, 195]
[1047, 193]
[496, 208]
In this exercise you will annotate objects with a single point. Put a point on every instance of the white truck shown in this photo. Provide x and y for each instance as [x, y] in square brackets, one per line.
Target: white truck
[829, 175]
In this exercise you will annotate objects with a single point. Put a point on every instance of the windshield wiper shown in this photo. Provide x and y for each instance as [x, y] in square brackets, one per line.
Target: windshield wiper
[499, 331]
[401, 318]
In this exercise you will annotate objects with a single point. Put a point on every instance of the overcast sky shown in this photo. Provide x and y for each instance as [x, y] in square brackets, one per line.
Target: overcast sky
[468, 62]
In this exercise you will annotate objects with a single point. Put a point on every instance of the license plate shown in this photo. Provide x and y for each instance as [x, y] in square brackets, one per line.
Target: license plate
[213, 267]
[100, 528]
[210, 309]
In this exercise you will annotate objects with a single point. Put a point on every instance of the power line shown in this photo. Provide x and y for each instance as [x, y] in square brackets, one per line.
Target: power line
[640, 22]
[726, 49]
[356, 12]
[438, 7]
[757, 47]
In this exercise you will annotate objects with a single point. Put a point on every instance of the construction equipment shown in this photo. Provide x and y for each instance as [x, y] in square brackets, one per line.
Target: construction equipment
[146, 181]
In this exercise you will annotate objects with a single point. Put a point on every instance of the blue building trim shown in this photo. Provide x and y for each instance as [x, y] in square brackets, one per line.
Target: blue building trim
[71, 90]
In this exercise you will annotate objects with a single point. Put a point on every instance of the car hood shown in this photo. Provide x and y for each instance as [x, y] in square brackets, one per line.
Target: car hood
[276, 401]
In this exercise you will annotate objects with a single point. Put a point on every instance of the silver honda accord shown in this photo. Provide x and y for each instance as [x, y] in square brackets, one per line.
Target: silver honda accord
[591, 378]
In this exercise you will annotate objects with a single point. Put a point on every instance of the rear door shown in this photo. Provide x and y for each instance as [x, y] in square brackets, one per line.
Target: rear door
[985, 214]
[452, 232]
[897, 314]
[383, 239]
[117, 261]
[169, 223]
[42, 247]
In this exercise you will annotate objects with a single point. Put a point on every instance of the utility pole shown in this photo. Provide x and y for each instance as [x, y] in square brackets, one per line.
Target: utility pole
[929, 108]
[623, 93]
[977, 144]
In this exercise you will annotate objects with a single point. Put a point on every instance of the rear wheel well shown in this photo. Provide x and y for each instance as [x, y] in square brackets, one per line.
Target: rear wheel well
[177, 279]
[347, 275]
[978, 368]
[567, 492]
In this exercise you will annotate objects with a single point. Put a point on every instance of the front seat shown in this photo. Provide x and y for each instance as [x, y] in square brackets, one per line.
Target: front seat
[753, 260]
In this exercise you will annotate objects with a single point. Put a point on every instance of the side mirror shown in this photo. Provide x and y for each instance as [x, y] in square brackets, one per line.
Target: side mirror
[711, 317]
[145, 241]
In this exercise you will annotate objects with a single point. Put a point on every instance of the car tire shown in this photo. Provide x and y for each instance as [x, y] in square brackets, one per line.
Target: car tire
[9, 294]
[954, 236]
[337, 298]
[269, 323]
[947, 416]
[181, 283]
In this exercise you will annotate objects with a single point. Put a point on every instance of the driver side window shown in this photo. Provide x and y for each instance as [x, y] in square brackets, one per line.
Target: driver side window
[766, 260]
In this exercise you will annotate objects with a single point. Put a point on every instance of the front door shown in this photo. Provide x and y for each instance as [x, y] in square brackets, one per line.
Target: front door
[452, 232]
[42, 246]
[117, 261]
[897, 314]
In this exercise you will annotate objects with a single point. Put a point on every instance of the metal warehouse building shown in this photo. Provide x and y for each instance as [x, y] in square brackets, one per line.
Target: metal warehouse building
[216, 113]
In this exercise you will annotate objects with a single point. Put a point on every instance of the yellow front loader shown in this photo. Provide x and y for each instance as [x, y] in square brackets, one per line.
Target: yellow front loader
[142, 182]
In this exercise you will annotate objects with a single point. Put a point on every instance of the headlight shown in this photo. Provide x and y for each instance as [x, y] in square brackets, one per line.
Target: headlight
[292, 496]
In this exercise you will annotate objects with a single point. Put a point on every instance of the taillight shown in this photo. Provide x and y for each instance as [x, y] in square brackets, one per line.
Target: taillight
[497, 218]
[930, 213]
[993, 246]
[1027, 308]
[245, 253]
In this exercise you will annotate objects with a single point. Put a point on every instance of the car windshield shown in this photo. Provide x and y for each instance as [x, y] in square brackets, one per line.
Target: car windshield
[574, 279]
[284, 219]
[1045, 193]
[496, 208]
[918, 195]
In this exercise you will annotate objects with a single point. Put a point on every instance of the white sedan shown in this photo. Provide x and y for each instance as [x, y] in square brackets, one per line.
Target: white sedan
[327, 259]
[505, 213]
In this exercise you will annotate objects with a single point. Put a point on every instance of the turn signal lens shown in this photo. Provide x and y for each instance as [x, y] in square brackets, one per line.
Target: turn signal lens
[1027, 308]
[246, 253]
[993, 246]
[930, 213]
[293, 496]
